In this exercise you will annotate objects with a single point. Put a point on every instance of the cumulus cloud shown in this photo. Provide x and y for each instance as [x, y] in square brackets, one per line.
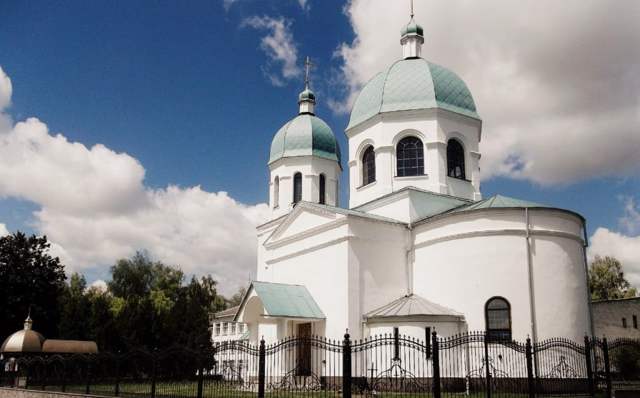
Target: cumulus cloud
[630, 221]
[605, 242]
[95, 208]
[279, 47]
[555, 83]
[99, 285]
[3, 230]
[5, 90]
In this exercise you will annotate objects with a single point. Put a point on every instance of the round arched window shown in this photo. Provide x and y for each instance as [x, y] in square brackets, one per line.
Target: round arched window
[368, 166]
[455, 159]
[498, 319]
[410, 157]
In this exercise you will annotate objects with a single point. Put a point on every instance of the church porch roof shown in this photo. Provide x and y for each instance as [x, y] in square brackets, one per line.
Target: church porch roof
[412, 306]
[283, 300]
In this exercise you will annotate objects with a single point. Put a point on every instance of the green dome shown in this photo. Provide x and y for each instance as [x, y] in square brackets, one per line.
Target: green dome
[305, 135]
[413, 83]
[412, 27]
[306, 95]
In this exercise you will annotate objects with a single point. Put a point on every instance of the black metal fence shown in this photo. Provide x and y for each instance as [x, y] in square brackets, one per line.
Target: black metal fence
[388, 365]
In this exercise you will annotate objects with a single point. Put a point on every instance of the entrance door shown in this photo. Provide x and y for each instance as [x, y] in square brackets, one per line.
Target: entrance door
[303, 353]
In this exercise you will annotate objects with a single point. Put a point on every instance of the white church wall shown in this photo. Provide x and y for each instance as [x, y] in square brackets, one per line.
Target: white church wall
[320, 264]
[464, 273]
[397, 208]
[311, 167]
[560, 288]
[434, 128]
[415, 330]
[377, 267]
[463, 260]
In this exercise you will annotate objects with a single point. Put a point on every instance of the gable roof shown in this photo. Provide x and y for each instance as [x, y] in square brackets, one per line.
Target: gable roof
[424, 203]
[284, 300]
[351, 212]
[229, 312]
[411, 305]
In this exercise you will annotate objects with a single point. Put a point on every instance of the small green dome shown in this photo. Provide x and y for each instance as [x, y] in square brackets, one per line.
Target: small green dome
[306, 95]
[305, 135]
[412, 28]
[412, 83]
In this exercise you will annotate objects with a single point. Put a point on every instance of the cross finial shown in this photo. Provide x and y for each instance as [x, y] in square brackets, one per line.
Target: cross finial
[307, 67]
[411, 8]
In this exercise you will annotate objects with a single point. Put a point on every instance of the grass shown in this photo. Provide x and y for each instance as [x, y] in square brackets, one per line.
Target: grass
[188, 389]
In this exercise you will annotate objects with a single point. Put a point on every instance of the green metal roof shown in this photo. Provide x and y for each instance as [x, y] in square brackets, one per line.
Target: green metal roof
[413, 84]
[412, 27]
[497, 201]
[305, 135]
[294, 301]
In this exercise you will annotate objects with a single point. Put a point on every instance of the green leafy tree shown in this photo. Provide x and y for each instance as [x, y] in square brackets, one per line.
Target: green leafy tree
[75, 309]
[29, 277]
[607, 281]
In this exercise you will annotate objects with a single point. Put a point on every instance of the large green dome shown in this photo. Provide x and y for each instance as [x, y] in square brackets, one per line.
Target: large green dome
[412, 83]
[305, 135]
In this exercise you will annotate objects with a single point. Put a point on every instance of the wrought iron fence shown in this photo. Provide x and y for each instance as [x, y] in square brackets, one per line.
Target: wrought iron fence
[468, 364]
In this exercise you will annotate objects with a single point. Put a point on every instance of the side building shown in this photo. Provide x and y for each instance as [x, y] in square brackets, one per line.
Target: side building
[616, 318]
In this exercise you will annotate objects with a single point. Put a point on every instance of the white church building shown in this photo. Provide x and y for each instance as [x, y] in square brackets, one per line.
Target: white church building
[417, 247]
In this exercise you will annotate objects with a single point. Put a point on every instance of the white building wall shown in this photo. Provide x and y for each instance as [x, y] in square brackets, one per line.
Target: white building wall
[463, 260]
[311, 167]
[434, 128]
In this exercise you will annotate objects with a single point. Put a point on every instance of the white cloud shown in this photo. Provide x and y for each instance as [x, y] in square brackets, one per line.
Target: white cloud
[625, 248]
[5, 90]
[279, 46]
[304, 4]
[555, 83]
[3, 230]
[630, 221]
[95, 208]
[99, 285]
[228, 3]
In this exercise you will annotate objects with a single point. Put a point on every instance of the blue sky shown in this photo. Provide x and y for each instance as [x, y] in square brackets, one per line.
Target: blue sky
[193, 95]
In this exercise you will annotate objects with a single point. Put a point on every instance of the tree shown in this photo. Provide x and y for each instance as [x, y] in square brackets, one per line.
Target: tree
[29, 278]
[75, 309]
[237, 297]
[607, 281]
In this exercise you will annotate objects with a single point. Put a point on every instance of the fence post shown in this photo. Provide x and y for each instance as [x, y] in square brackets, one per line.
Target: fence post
[87, 388]
[487, 364]
[587, 357]
[346, 366]
[529, 350]
[154, 359]
[200, 373]
[116, 389]
[261, 368]
[607, 368]
[435, 347]
[64, 375]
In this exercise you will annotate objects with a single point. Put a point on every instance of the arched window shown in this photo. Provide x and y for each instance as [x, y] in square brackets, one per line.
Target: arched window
[297, 187]
[322, 184]
[455, 159]
[368, 166]
[410, 157]
[497, 313]
[276, 192]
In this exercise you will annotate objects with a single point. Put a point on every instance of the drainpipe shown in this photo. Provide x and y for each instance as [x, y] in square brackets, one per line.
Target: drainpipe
[409, 261]
[532, 297]
[586, 275]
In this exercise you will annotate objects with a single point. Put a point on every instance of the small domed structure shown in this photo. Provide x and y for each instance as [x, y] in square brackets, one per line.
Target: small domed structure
[25, 340]
[305, 135]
